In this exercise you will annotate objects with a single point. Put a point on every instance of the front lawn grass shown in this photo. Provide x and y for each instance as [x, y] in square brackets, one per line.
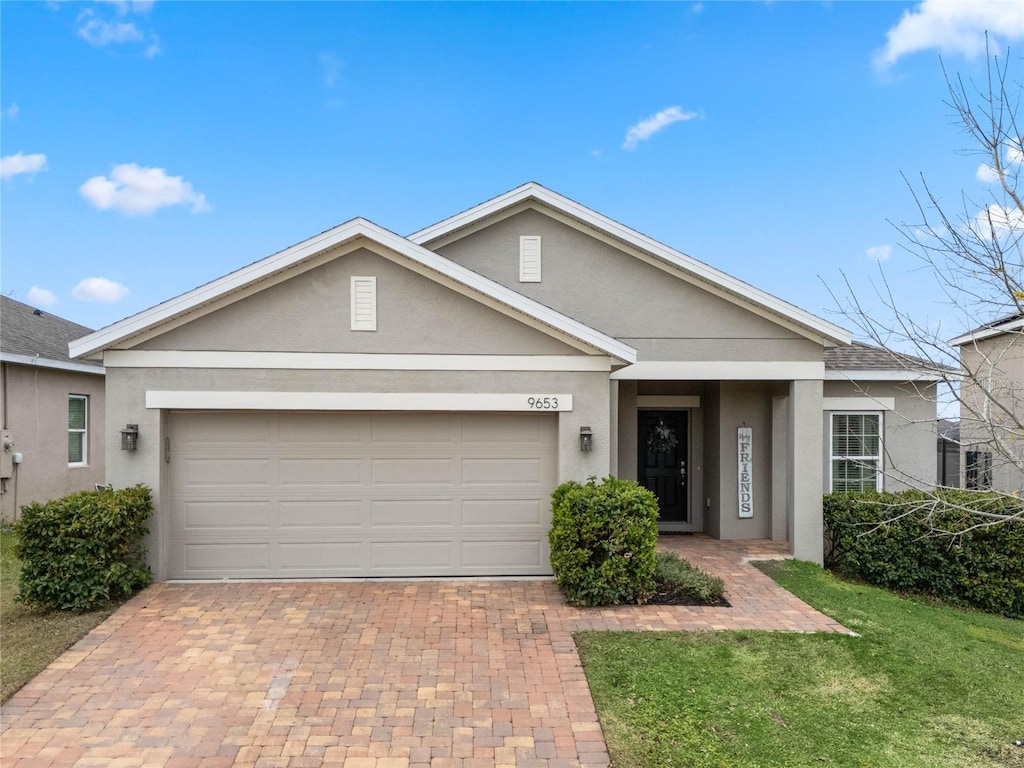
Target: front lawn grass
[922, 687]
[32, 638]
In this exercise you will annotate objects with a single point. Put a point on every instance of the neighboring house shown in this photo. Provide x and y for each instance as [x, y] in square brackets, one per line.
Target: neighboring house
[992, 405]
[366, 404]
[51, 410]
[948, 454]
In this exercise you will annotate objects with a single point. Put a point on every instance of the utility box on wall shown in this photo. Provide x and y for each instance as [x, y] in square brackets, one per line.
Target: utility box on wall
[6, 454]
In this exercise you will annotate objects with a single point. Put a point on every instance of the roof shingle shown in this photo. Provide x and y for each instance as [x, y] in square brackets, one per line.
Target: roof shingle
[25, 330]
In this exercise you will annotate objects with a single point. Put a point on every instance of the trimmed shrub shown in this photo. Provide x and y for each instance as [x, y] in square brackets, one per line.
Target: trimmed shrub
[603, 537]
[84, 550]
[906, 542]
[677, 577]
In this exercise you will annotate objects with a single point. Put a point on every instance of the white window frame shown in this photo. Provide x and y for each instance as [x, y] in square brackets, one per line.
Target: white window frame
[879, 459]
[525, 274]
[364, 323]
[84, 432]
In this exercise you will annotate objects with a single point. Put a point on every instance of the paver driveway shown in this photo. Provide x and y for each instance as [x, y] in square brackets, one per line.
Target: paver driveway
[381, 674]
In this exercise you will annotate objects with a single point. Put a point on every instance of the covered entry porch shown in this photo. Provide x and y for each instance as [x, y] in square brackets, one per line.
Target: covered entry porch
[737, 459]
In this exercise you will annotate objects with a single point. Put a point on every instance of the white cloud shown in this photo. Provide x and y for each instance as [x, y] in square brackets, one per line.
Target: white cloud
[879, 252]
[15, 165]
[40, 297]
[1000, 219]
[138, 191]
[1015, 151]
[951, 27]
[651, 125]
[153, 49]
[11, 112]
[330, 69]
[99, 289]
[986, 174]
[100, 33]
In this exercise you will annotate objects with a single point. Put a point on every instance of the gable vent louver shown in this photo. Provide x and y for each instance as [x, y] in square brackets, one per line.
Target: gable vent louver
[364, 303]
[529, 259]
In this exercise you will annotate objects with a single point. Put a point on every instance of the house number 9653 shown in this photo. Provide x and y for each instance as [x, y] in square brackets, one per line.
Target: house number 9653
[542, 403]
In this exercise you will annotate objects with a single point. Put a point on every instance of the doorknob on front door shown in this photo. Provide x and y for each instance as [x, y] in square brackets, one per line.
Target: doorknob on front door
[682, 470]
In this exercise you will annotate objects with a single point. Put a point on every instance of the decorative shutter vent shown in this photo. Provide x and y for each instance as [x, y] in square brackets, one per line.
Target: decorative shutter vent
[529, 259]
[364, 303]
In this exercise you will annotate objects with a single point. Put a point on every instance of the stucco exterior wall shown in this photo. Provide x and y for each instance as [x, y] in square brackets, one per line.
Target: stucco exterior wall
[311, 312]
[35, 410]
[745, 404]
[126, 388]
[663, 317]
[909, 432]
[997, 364]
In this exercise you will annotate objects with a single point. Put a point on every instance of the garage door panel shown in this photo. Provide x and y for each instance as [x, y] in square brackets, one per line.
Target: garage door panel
[228, 515]
[504, 554]
[327, 514]
[350, 494]
[312, 429]
[412, 471]
[407, 512]
[320, 471]
[319, 557]
[248, 557]
[503, 428]
[407, 554]
[507, 471]
[221, 472]
[415, 428]
[493, 512]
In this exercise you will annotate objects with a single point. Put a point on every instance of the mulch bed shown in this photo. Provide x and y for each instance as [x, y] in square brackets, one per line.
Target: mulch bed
[668, 598]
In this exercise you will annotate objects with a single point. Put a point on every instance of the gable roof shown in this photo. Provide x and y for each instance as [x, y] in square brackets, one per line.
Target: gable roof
[685, 266]
[433, 265]
[1010, 324]
[30, 336]
[865, 362]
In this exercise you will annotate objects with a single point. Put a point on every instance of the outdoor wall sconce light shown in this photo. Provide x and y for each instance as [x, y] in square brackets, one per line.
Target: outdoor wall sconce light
[130, 437]
[586, 440]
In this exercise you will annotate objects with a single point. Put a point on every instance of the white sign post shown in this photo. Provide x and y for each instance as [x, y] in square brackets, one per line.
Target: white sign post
[745, 470]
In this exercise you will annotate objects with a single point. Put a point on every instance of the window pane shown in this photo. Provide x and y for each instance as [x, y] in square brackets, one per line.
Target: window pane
[854, 475]
[76, 413]
[75, 443]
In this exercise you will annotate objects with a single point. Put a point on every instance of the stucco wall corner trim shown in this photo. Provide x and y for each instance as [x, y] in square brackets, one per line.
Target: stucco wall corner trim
[540, 402]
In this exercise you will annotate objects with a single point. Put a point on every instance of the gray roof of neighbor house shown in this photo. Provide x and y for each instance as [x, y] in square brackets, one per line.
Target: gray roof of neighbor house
[1008, 324]
[30, 333]
[860, 357]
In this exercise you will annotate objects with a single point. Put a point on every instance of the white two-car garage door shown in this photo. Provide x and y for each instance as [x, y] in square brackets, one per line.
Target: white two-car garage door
[300, 495]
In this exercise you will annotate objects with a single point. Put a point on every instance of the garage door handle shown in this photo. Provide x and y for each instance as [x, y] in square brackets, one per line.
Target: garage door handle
[167, 450]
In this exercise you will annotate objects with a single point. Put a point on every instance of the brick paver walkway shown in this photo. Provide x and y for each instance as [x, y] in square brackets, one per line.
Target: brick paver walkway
[354, 674]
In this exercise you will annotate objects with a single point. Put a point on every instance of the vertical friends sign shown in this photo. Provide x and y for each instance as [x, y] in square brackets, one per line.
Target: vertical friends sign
[745, 470]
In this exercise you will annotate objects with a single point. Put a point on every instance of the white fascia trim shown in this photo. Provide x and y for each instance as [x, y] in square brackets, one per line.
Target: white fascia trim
[655, 370]
[330, 361]
[42, 362]
[267, 267]
[668, 401]
[615, 229]
[880, 375]
[536, 402]
[866, 403]
[987, 333]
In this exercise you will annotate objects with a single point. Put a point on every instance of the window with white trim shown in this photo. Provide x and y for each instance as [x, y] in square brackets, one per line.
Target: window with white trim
[364, 303]
[856, 458]
[529, 258]
[78, 430]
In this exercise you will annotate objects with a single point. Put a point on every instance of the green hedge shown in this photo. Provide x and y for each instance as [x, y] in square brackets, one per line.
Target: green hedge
[904, 541]
[84, 550]
[603, 538]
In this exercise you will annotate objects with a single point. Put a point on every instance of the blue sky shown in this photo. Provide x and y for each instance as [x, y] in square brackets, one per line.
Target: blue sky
[150, 147]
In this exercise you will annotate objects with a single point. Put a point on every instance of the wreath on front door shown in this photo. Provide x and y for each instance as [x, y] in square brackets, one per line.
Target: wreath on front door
[662, 438]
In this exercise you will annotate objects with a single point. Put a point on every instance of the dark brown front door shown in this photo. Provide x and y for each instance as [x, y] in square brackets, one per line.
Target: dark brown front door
[663, 450]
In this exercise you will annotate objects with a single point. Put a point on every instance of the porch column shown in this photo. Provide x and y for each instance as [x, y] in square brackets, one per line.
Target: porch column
[806, 444]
